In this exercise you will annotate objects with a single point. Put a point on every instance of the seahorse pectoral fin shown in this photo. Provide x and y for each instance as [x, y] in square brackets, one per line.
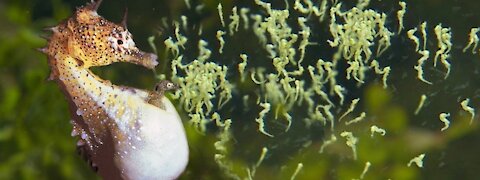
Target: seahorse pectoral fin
[43, 50]
[52, 76]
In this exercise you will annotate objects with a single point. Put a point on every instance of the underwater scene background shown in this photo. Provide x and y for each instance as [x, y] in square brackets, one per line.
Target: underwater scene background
[325, 89]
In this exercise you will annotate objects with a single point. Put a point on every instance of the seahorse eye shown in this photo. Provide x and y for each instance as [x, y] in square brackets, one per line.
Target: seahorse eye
[120, 42]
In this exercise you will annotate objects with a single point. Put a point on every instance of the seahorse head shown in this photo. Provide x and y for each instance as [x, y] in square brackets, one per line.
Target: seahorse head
[99, 42]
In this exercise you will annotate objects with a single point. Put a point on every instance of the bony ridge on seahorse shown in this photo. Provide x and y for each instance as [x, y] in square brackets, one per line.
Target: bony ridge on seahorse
[122, 135]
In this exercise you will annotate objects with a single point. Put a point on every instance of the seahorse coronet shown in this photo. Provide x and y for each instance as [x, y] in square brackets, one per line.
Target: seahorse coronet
[120, 134]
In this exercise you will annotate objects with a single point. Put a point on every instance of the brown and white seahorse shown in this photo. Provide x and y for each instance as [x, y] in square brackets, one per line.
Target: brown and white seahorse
[122, 135]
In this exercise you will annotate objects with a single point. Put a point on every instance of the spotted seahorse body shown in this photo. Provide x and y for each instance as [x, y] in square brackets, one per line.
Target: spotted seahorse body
[121, 134]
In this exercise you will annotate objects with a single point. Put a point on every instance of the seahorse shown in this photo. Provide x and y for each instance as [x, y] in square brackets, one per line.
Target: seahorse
[155, 97]
[121, 134]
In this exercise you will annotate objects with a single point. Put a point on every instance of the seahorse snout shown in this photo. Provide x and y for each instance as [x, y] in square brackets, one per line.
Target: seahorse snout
[148, 60]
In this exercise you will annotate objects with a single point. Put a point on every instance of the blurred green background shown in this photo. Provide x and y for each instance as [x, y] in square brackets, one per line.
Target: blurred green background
[35, 140]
